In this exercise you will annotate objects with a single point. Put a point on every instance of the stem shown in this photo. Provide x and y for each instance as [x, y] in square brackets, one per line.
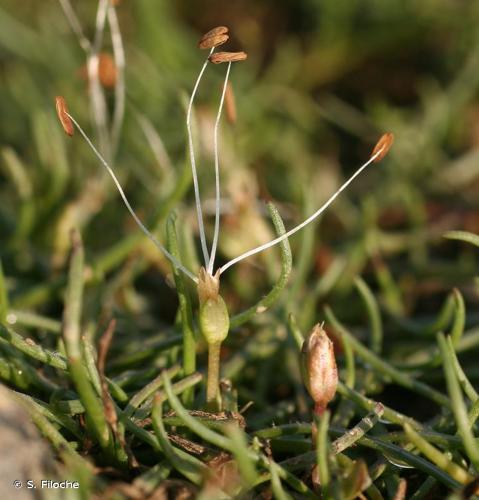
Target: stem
[214, 351]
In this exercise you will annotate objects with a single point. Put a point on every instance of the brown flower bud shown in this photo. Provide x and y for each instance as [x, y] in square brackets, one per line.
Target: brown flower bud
[62, 113]
[318, 366]
[213, 38]
[221, 57]
[384, 144]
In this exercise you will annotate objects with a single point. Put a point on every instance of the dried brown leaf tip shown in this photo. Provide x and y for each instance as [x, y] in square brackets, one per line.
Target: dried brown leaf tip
[215, 37]
[384, 145]
[222, 57]
[62, 113]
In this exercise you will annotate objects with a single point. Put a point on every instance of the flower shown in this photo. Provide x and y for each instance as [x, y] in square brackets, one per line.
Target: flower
[318, 367]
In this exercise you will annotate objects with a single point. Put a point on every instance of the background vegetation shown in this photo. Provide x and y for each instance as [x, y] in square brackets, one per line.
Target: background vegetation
[322, 82]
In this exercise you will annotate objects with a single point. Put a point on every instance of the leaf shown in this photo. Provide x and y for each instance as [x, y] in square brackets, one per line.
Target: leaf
[463, 236]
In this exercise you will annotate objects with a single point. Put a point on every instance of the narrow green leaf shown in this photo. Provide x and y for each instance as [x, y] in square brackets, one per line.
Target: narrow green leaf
[459, 317]
[72, 338]
[463, 236]
[458, 406]
[374, 314]
[185, 464]
[436, 456]
[286, 265]
[381, 366]
[189, 340]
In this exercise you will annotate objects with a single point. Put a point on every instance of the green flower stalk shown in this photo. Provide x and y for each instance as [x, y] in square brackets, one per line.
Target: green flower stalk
[214, 325]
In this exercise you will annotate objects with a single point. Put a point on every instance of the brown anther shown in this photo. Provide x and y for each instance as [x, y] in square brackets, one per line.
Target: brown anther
[219, 30]
[230, 104]
[107, 71]
[208, 285]
[221, 57]
[62, 113]
[384, 144]
[213, 41]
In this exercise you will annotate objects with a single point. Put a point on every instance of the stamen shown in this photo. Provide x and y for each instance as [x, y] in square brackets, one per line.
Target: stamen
[199, 212]
[217, 176]
[62, 113]
[165, 252]
[376, 156]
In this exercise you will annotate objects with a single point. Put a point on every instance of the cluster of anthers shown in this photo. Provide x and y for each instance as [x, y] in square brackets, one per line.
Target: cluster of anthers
[208, 279]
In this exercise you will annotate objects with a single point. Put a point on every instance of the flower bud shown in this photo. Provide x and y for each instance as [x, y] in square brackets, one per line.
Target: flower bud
[214, 317]
[318, 366]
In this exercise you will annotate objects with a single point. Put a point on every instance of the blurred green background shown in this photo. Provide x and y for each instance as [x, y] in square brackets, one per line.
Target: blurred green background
[323, 80]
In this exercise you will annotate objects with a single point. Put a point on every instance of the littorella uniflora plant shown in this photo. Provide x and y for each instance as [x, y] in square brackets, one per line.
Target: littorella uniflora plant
[213, 317]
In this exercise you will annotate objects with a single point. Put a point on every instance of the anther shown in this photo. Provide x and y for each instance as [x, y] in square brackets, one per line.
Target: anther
[384, 145]
[62, 113]
[222, 57]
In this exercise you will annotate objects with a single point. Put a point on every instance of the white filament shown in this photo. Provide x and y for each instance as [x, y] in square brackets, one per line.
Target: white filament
[289, 233]
[217, 175]
[165, 252]
[199, 211]
[120, 91]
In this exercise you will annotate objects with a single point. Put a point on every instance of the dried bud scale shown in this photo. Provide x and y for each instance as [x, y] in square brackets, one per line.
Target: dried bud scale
[208, 285]
[62, 113]
[318, 366]
[222, 57]
[384, 145]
